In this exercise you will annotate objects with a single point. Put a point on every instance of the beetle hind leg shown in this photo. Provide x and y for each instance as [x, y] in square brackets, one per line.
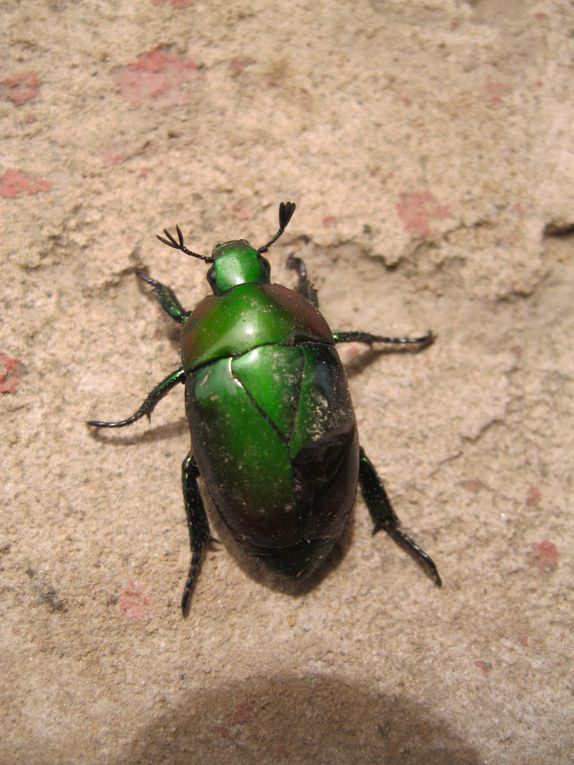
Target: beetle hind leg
[385, 517]
[198, 525]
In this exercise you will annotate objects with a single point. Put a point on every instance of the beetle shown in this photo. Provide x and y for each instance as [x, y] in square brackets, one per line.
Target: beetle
[273, 431]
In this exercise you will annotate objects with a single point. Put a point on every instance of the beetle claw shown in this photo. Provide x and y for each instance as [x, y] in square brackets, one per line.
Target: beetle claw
[144, 277]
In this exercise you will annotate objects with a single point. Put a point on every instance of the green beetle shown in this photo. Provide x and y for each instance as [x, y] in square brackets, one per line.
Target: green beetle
[272, 425]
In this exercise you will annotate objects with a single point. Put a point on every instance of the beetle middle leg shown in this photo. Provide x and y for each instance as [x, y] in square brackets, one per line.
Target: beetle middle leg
[305, 287]
[385, 517]
[198, 525]
[406, 343]
[151, 401]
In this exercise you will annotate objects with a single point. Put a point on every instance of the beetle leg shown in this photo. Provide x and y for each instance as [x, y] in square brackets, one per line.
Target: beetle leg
[305, 287]
[198, 525]
[166, 298]
[408, 343]
[152, 398]
[385, 517]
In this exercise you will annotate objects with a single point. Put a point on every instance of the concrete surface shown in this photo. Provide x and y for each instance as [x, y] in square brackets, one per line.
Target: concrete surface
[428, 146]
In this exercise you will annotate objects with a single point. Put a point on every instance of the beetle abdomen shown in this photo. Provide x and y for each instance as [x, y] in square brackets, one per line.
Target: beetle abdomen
[274, 436]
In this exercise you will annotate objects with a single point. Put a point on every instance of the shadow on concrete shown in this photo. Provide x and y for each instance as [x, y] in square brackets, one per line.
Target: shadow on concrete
[305, 720]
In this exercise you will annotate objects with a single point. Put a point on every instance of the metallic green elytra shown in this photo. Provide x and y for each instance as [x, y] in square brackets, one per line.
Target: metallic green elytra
[273, 432]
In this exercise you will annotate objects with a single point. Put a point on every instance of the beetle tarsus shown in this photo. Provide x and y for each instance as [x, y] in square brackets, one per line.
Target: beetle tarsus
[412, 344]
[385, 518]
[409, 545]
[150, 403]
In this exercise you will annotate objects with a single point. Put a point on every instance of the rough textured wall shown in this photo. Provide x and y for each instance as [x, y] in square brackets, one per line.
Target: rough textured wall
[428, 146]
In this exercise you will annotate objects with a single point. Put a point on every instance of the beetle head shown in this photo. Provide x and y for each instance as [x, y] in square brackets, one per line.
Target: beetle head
[237, 263]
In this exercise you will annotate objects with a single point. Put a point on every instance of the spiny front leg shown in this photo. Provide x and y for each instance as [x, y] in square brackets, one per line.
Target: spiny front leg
[412, 344]
[198, 525]
[385, 517]
[166, 297]
[305, 287]
[152, 399]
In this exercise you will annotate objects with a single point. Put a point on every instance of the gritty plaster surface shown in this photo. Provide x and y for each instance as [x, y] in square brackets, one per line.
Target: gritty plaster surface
[428, 146]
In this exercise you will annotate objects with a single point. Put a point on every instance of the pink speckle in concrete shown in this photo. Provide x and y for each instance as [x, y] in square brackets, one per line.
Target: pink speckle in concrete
[349, 352]
[495, 92]
[225, 732]
[533, 496]
[237, 65]
[329, 221]
[13, 182]
[134, 603]
[546, 554]
[9, 374]
[154, 74]
[20, 88]
[484, 666]
[242, 714]
[417, 208]
[517, 350]
[241, 211]
[112, 157]
[473, 485]
[519, 210]
[540, 16]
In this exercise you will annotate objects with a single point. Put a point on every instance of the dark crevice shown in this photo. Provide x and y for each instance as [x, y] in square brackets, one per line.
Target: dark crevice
[297, 400]
[559, 230]
[294, 343]
[282, 437]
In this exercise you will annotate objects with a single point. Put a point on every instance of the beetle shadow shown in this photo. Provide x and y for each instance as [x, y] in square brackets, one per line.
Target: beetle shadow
[272, 581]
[356, 366]
[305, 719]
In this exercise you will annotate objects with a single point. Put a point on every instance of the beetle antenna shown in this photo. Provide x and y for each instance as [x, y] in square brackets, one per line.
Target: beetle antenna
[179, 245]
[286, 210]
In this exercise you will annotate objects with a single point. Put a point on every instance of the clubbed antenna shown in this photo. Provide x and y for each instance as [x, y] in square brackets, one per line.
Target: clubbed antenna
[179, 245]
[286, 210]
